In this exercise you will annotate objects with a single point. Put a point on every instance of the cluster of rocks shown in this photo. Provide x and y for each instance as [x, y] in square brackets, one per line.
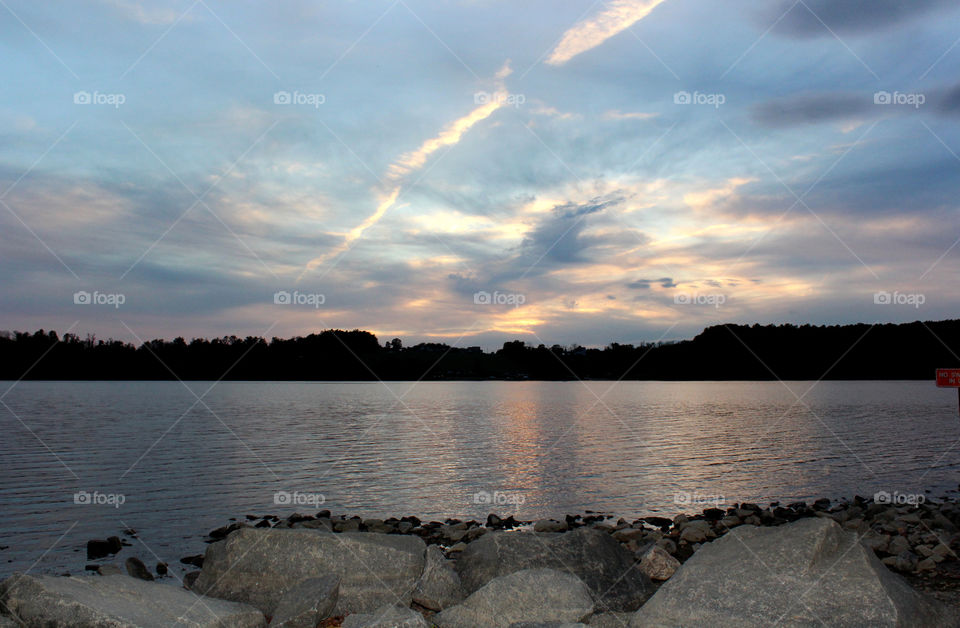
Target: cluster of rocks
[907, 538]
[795, 564]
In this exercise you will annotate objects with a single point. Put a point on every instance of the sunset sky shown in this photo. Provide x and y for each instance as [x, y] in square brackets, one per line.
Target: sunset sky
[605, 171]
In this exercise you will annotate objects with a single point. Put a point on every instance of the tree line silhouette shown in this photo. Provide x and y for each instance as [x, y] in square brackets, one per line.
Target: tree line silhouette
[721, 352]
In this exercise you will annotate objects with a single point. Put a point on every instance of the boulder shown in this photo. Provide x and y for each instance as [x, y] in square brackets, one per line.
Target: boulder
[657, 564]
[389, 616]
[528, 595]
[118, 602]
[806, 573]
[610, 620]
[307, 603]
[439, 586]
[258, 566]
[605, 566]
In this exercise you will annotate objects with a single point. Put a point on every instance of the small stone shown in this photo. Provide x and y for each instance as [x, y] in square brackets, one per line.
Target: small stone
[696, 532]
[99, 548]
[668, 544]
[898, 545]
[906, 562]
[876, 542]
[927, 564]
[658, 564]
[137, 569]
[189, 578]
[629, 534]
[108, 570]
[161, 569]
[550, 525]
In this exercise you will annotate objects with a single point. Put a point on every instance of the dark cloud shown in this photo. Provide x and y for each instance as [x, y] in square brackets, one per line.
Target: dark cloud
[810, 108]
[558, 237]
[949, 101]
[816, 18]
[644, 284]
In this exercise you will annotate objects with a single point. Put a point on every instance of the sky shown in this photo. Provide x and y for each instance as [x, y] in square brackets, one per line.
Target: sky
[476, 171]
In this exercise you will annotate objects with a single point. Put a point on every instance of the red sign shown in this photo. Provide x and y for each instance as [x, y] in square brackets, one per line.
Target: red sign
[948, 378]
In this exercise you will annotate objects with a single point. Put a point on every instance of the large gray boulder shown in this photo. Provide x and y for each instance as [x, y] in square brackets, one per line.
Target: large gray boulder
[258, 566]
[307, 603]
[529, 595]
[606, 567]
[439, 587]
[118, 602]
[611, 620]
[807, 573]
[389, 616]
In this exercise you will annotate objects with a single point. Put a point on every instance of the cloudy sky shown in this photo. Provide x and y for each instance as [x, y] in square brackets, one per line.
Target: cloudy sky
[472, 171]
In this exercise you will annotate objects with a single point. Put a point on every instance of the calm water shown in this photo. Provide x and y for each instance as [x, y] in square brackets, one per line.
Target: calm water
[182, 467]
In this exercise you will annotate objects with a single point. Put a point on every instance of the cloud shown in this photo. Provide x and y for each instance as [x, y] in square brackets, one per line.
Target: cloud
[810, 108]
[415, 160]
[450, 135]
[355, 233]
[816, 18]
[949, 102]
[644, 284]
[615, 114]
[136, 11]
[618, 16]
[553, 112]
[707, 199]
[558, 237]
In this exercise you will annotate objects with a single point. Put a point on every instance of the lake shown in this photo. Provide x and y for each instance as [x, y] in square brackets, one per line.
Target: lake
[82, 460]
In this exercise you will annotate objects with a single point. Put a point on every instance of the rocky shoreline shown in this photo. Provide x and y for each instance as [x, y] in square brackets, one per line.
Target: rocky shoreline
[877, 561]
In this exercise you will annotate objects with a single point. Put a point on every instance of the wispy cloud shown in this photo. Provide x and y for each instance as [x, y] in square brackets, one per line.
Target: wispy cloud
[136, 11]
[628, 115]
[415, 160]
[618, 16]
